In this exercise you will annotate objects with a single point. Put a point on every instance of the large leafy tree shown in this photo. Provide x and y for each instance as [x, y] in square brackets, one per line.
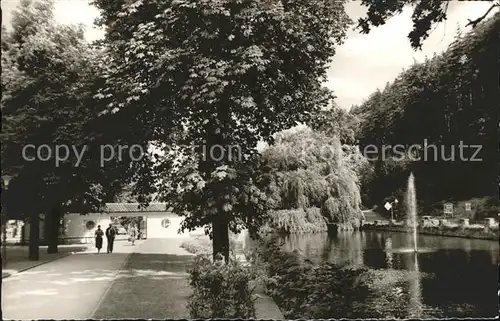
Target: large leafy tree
[426, 14]
[49, 74]
[221, 75]
[313, 181]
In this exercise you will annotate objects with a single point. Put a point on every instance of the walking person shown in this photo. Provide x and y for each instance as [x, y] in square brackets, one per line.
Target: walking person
[133, 234]
[110, 236]
[98, 238]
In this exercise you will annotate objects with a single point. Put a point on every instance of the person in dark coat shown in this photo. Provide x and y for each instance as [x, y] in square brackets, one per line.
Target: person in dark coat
[98, 238]
[110, 236]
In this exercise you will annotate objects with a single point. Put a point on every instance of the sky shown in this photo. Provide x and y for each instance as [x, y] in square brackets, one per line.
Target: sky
[362, 63]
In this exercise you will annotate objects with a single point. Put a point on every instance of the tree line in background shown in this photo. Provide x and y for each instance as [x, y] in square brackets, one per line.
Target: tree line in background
[217, 73]
[450, 98]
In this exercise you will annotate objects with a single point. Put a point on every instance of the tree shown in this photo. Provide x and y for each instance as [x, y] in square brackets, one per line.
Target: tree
[126, 195]
[215, 75]
[311, 173]
[337, 122]
[444, 101]
[50, 74]
[425, 15]
[23, 53]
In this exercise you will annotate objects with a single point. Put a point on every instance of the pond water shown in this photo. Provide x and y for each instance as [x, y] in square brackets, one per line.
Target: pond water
[450, 277]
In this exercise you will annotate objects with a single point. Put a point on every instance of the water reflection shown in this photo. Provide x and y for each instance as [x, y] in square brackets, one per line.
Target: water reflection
[388, 252]
[415, 302]
[457, 279]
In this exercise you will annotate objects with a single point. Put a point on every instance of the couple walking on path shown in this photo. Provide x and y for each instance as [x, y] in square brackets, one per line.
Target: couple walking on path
[110, 236]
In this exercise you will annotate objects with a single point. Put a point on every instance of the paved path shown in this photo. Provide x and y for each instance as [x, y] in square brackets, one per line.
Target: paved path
[152, 285]
[68, 288]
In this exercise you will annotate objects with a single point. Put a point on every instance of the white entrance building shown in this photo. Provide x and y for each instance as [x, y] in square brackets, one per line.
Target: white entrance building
[158, 222]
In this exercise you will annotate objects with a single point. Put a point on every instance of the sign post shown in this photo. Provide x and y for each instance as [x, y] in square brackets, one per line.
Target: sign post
[392, 209]
[388, 207]
[448, 209]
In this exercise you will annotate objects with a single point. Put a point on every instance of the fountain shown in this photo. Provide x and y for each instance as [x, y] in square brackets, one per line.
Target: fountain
[411, 201]
[412, 208]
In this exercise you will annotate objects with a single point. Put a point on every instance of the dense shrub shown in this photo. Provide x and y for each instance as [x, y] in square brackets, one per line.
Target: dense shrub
[220, 290]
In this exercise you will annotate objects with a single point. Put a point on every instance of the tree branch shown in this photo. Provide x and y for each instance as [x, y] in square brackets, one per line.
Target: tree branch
[474, 23]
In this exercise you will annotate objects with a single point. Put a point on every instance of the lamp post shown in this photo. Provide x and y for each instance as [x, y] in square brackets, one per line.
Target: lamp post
[392, 208]
[5, 180]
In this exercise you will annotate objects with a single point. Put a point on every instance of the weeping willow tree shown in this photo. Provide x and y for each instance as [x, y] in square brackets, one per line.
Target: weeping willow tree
[314, 182]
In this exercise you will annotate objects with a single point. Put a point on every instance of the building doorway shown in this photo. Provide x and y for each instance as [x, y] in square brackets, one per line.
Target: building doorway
[126, 222]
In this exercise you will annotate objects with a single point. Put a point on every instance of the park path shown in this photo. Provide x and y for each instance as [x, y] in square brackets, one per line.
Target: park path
[153, 284]
[68, 288]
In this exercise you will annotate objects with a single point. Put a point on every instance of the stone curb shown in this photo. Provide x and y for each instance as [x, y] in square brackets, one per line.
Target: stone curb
[265, 307]
[38, 264]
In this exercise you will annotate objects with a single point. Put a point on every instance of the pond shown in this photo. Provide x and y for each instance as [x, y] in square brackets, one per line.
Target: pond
[450, 277]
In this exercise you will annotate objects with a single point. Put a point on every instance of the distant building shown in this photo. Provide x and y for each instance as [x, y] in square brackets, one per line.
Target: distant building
[157, 222]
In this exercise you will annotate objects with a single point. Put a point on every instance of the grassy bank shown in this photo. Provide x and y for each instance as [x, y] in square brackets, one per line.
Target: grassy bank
[202, 244]
[17, 257]
[473, 231]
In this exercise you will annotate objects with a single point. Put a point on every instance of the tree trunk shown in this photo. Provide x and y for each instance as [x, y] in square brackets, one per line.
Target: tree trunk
[220, 239]
[52, 228]
[217, 137]
[34, 236]
[23, 234]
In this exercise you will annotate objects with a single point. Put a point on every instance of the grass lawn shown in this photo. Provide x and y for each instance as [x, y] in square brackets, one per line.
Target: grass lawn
[151, 286]
[17, 257]
[201, 244]
[198, 245]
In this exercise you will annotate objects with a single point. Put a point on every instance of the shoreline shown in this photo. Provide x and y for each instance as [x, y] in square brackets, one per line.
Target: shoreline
[486, 234]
